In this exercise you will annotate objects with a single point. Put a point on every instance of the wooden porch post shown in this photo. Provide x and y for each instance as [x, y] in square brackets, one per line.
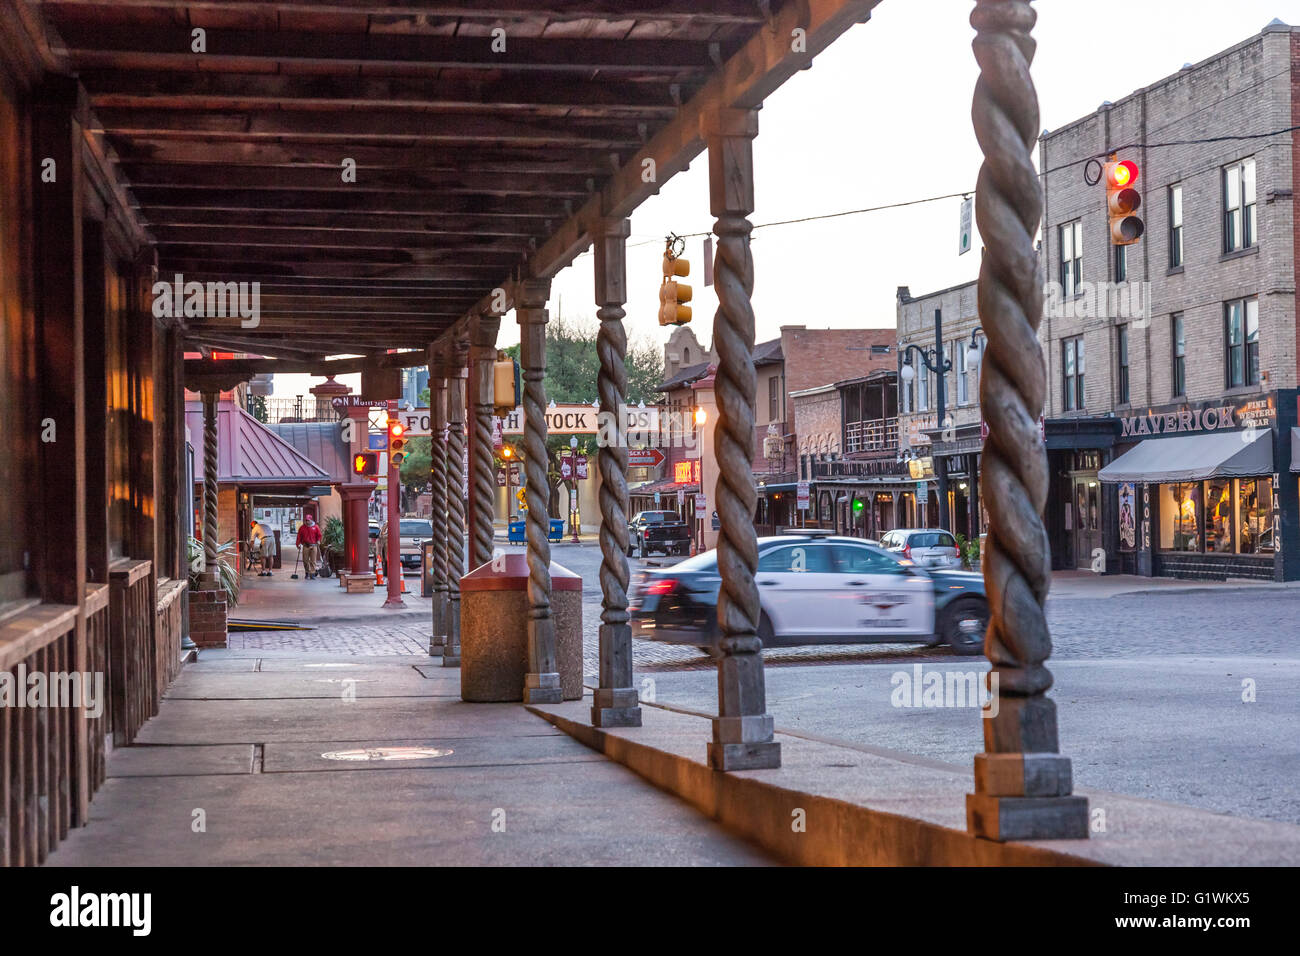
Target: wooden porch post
[210, 577]
[616, 702]
[455, 458]
[60, 547]
[542, 679]
[482, 459]
[742, 731]
[438, 480]
[1023, 785]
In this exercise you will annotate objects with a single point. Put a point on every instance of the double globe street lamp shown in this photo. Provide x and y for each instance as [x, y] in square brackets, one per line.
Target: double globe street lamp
[934, 360]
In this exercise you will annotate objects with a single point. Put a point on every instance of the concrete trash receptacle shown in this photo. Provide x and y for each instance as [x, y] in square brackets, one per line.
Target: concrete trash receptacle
[494, 630]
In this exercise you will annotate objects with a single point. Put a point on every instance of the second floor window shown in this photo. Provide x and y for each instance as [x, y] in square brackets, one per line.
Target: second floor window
[1239, 206]
[774, 399]
[922, 389]
[1121, 358]
[1176, 227]
[1073, 367]
[1071, 243]
[1179, 371]
[1241, 335]
[963, 375]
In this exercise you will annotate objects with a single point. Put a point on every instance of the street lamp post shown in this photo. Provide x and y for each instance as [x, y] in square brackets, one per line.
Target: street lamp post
[933, 359]
[573, 489]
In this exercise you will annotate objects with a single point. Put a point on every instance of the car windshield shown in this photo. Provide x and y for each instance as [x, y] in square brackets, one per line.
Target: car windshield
[413, 529]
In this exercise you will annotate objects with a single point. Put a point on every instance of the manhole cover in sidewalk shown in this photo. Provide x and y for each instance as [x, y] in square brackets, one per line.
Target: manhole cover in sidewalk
[387, 753]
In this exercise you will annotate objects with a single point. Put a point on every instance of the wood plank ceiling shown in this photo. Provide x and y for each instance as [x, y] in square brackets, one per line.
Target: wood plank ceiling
[467, 159]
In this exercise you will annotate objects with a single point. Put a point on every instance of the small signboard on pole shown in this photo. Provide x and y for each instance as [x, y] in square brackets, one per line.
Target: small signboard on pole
[801, 496]
[967, 214]
[701, 506]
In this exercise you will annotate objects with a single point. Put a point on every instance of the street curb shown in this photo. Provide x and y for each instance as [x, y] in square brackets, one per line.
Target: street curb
[753, 804]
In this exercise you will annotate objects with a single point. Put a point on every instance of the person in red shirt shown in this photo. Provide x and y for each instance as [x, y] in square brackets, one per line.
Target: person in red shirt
[308, 542]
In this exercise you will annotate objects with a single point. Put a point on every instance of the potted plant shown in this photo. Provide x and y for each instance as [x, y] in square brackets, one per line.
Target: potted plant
[227, 568]
[332, 541]
[969, 549]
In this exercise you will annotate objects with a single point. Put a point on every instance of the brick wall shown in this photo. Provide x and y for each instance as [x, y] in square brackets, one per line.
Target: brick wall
[916, 321]
[207, 611]
[818, 421]
[1246, 89]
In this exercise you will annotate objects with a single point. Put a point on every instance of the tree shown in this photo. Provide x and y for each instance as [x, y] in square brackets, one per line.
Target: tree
[572, 367]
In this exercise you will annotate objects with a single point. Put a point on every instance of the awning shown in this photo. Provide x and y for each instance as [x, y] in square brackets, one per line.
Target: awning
[1295, 449]
[1239, 454]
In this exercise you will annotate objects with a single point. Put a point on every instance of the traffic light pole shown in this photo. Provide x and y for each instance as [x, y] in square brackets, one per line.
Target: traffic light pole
[934, 361]
[394, 532]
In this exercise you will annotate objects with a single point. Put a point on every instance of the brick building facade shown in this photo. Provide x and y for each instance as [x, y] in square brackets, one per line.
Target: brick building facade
[1172, 363]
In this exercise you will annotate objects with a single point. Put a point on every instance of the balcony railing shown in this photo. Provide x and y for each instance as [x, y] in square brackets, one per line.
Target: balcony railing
[301, 408]
[878, 434]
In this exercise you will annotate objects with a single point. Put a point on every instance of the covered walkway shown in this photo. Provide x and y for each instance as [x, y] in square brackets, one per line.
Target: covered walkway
[233, 771]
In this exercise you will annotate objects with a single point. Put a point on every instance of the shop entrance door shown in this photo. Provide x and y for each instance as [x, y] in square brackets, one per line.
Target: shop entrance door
[1086, 528]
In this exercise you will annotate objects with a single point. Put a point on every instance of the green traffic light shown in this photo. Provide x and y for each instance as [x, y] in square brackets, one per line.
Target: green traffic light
[858, 506]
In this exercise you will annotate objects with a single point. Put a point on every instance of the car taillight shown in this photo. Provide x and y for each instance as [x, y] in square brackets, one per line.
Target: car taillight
[661, 586]
[907, 551]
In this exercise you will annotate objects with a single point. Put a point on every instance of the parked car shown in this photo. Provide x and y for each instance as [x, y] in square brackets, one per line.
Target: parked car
[926, 547]
[657, 531]
[411, 534]
[816, 589]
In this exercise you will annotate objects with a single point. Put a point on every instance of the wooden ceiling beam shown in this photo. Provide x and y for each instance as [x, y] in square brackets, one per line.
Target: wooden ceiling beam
[485, 158]
[469, 260]
[176, 89]
[253, 269]
[141, 45]
[355, 126]
[534, 207]
[673, 11]
[196, 368]
[366, 180]
[487, 247]
[343, 222]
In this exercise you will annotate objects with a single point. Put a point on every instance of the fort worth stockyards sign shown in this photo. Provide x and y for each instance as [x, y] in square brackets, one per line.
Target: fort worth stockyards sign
[560, 420]
[1254, 412]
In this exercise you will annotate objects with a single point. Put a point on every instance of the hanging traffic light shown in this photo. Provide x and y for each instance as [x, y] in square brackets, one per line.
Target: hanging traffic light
[396, 442]
[365, 463]
[673, 293]
[1122, 201]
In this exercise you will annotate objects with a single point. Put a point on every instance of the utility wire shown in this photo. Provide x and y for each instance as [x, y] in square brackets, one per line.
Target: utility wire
[969, 192]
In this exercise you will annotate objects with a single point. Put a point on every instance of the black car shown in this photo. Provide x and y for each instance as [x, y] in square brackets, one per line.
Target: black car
[657, 531]
[816, 589]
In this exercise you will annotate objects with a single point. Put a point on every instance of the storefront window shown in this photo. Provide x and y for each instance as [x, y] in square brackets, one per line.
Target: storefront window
[1255, 515]
[1218, 515]
[1180, 517]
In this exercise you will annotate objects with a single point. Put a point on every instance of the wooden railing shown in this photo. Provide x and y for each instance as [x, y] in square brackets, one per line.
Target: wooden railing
[38, 742]
[169, 628]
[879, 434]
[131, 680]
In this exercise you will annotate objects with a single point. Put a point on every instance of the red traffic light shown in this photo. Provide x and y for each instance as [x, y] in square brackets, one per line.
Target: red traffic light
[1122, 174]
[395, 429]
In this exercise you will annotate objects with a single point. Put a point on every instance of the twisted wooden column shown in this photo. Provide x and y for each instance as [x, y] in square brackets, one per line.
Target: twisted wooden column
[742, 731]
[616, 703]
[1022, 785]
[438, 481]
[542, 680]
[210, 533]
[482, 461]
[455, 499]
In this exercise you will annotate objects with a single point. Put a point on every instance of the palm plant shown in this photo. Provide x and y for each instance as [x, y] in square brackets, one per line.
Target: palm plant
[227, 568]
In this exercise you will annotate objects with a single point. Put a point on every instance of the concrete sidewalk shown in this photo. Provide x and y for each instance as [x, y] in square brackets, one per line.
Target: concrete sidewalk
[1086, 584]
[321, 600]
[259, 758]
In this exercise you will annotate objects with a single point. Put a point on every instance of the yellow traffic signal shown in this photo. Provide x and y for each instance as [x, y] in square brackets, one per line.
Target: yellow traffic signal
[505, 384]
[396, 442]
[673, 293]
[1122, 201]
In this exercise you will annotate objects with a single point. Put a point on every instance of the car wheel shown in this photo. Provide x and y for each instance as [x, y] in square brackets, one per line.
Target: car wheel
[631, 550]
[964, 624]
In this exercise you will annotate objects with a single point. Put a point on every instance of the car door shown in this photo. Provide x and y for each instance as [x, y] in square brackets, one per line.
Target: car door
[793, 582]
[886, 598]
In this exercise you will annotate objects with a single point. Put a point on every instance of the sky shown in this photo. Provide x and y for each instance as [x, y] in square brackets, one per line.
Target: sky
[883, 116]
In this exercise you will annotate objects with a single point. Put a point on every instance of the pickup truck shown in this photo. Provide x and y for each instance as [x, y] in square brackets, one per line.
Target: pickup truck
[657, 531]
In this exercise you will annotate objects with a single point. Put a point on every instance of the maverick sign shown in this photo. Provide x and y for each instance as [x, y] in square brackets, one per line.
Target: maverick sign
[1259, 412]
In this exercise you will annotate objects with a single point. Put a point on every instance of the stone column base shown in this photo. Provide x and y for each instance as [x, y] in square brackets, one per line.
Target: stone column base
[765, 756]
[1026, 818]
[616, 707]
